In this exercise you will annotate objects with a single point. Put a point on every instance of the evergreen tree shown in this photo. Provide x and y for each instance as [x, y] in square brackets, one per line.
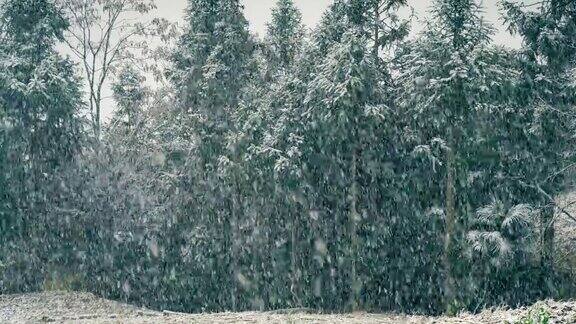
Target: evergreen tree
[285, 35]
[379, 21]
[348, 170]
[332, 26]
[449, 75]
[211, 67]
[212, 55]
[130, 95]
[546, 99]
[325, 140]
[376, 19]
[344, 87]
[39, 95]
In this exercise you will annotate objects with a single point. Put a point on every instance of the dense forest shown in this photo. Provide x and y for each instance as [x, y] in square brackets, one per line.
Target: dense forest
[352, 167]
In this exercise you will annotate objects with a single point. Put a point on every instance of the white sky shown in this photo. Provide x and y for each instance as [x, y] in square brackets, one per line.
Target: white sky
[258, 14]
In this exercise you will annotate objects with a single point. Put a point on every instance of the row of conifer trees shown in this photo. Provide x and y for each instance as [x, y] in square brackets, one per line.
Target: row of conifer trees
[348, 168]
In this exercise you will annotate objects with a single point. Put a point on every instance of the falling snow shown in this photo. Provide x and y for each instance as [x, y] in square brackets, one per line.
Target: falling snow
[321, 175]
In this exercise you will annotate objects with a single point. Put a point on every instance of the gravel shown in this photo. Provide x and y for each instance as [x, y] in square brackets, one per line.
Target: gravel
[67, 307]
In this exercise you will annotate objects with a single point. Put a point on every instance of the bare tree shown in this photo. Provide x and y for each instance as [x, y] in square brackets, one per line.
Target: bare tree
[105, 34]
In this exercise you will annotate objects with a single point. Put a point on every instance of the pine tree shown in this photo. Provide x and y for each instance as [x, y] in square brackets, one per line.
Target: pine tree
[39, 96]
[38, 88]
[385, 28]
[332, 26]
[211, 67]
[329, 147]
[304, 143]
[546, 98]
[285, 35]
[376, 19]
[130, 95]
[450, 74]
[212, 55]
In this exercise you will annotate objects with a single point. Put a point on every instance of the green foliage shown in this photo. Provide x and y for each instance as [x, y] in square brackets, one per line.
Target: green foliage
[540, 315]
[497, 234]
[41, 132]
[351, 170]
[285, 35]
[545, 96]
[63, 281]
[130, 94]
[212, 55]
[455, 307]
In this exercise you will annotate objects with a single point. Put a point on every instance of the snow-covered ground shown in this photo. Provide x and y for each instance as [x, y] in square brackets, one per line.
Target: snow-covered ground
[64, 307]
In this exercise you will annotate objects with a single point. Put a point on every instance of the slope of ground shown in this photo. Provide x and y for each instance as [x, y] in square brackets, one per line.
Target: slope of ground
[64, 307]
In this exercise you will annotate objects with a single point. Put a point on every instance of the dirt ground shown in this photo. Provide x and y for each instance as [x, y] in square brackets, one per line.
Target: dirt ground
[65, 307]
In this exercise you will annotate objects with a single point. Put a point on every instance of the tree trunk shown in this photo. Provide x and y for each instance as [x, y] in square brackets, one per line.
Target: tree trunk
[98, 122]
[295, 277]
[449, 282]
[376, 49]
[233, 266]
[354, 217]
[547, 247]
[233, 270]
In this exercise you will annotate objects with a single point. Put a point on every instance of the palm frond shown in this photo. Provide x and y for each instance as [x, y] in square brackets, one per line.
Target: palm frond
[489, 217]
[519, 221]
